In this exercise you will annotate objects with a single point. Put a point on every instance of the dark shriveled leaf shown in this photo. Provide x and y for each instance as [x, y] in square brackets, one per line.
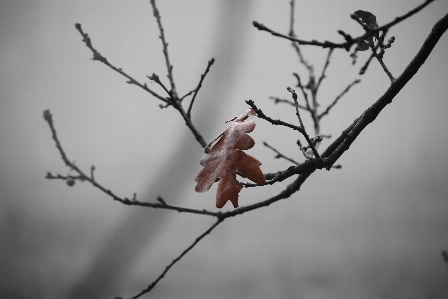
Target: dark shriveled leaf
[370, 20]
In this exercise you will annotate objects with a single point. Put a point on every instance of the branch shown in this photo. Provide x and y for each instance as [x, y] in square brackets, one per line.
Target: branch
[165, 49]
[278, 100]
[335, 150]
[277, 122]
[325, 44]
[392, 23]
[99, 57]
[295, 45]
[331, 154]
[305, 95]
[386, 70]
[287, 192]
[153, 284]
[172, 100]
[337, 98]
[301, 129]
[322, 76]
[210, 63]
[348, 43]
[363, 70]
[84, 177]
[280, 155]
[372, 112]
[310, 143]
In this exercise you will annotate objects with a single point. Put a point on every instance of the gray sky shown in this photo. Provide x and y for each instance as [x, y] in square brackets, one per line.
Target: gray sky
[373, 229]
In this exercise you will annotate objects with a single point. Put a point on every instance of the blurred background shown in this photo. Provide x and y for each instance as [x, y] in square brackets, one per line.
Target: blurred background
[373, 229]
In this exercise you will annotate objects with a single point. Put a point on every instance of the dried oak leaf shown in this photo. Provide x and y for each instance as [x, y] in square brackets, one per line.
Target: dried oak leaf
[226, 158]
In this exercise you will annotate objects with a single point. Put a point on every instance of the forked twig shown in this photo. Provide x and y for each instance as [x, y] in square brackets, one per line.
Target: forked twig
[82, 176]
[337, 98]
[348, 43]
[210, 63]
[99, 57]
[280, 155]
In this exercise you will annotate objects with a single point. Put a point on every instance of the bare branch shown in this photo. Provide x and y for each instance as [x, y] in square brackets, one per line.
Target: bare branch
[301, 129]
[348, 43]
[210, 63]
[305, 95]
[310, 143]
[392, 23]
[327, 62]
[277, 122]
[325, 44]
[165, 49]
[386, 70]
[280, 155]
[99, 57]
[156, 79]
[363, 70]
[337, 98]
[278, 100]
[372, 112]
[304, 170]
[287, 192]
[343, 142]
[82, 176]
[153, 284]
[296, 45]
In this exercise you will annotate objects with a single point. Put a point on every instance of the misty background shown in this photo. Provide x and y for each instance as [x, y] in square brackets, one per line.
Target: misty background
[373, 229]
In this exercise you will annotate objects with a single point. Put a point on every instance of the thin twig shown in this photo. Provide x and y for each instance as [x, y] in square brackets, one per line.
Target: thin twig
[296, 45]
[156, 79]
[165, 49]
[325, 44]
[327, 63]
[154, 283]
[363, 70]
[305, 95]
[210, 63]
[310, 143]
[99, 57]
[280, 155]
[84, 177]
[291, 19]
[277, 122]
[337, 98]
[187, 94]
[294, 97]
[386, 70]
[278, 100]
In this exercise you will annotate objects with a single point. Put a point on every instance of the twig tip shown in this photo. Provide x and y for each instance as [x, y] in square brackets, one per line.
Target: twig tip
[47, 115]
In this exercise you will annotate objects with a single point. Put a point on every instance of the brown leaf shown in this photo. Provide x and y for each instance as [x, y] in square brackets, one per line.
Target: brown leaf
[226, 158]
